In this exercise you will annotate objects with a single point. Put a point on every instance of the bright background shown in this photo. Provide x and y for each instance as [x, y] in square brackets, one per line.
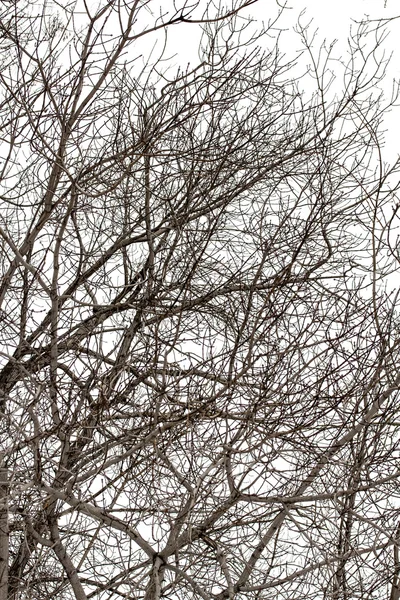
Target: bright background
[334, 20]
[331, 20]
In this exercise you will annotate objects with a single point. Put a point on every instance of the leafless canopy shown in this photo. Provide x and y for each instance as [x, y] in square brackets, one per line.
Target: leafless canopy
[199, 383]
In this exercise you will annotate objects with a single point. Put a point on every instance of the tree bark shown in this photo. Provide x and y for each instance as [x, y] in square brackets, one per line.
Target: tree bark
[3, 530]
[153, 591]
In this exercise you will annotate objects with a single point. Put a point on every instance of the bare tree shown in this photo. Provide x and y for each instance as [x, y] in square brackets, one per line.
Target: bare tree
[199, 338]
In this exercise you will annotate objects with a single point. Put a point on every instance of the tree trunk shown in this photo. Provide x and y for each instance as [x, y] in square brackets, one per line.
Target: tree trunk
[3, 530]
[153, 591]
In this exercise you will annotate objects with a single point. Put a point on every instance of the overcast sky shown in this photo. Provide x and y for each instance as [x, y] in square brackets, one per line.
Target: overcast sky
[334, 20]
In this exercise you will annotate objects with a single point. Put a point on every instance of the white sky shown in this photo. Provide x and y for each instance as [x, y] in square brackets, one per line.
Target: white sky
[333, 19]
